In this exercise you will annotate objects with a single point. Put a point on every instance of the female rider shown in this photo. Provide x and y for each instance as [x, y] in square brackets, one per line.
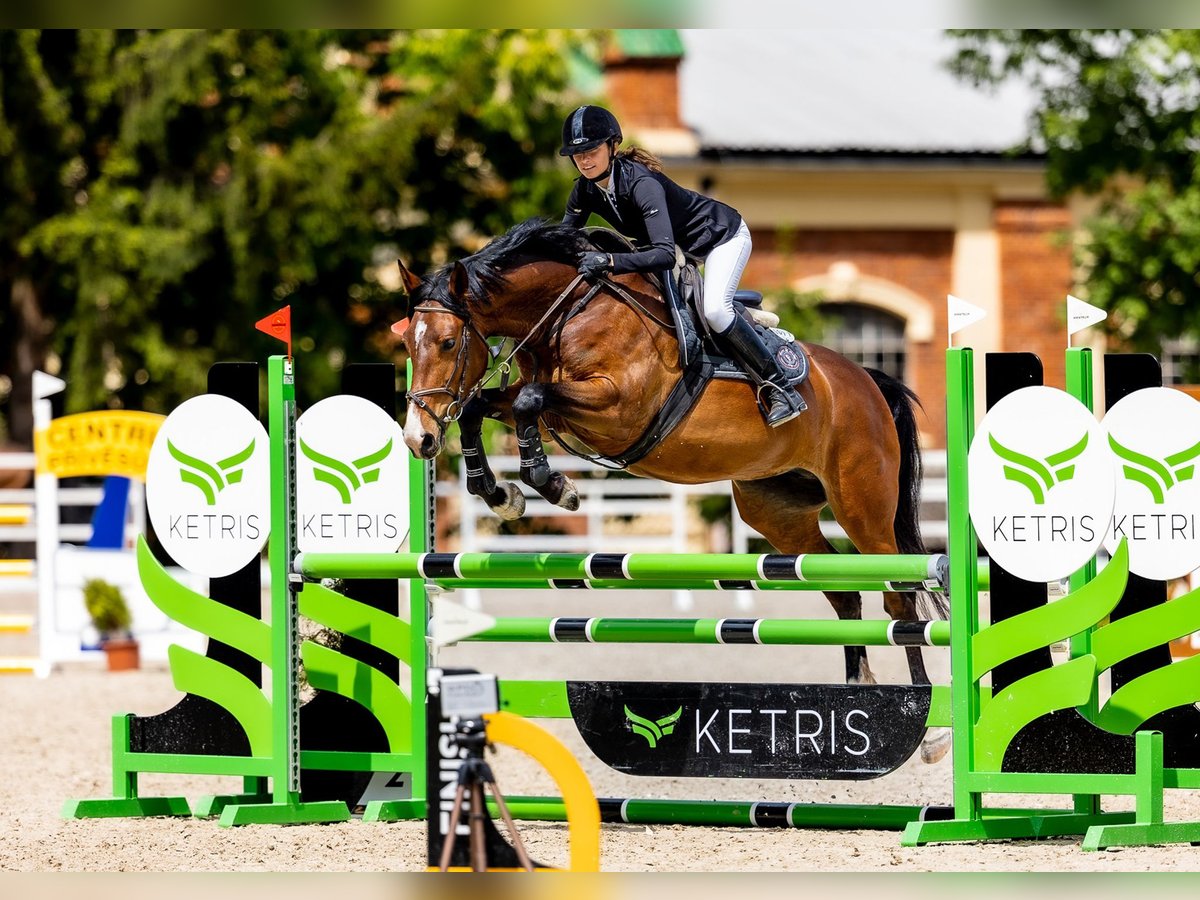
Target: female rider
[630, 192]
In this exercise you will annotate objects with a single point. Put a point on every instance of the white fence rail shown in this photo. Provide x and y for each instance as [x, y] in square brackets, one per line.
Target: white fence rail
[17, 528]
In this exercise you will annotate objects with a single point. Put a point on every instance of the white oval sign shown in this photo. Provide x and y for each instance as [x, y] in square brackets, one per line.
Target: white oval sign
[1041, 484]
[351, 478]
[208, 485]
[1154, 437]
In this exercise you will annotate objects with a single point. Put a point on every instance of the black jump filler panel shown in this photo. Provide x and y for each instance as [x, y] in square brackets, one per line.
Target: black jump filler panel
[853, 732]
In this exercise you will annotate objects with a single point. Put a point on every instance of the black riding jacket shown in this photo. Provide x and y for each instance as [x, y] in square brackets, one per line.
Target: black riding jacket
[656, 214]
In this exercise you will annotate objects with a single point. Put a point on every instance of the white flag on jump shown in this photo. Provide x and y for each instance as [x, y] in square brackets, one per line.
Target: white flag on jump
[451, 623]
[960, 313]
[46, 385]
[1081, 314]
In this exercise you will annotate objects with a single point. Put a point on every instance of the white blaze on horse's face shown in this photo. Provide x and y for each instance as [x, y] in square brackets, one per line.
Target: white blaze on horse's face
[448, 359]
[414, 431]
[419, 427]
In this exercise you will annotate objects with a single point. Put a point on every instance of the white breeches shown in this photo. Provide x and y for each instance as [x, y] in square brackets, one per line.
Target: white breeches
[722, 272]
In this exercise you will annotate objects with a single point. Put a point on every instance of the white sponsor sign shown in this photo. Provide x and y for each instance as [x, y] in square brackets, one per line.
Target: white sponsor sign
[1154, 438]
[1041, 484]
[351, 478]
[208, 485]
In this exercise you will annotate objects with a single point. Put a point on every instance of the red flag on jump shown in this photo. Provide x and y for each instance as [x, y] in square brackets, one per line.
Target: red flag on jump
[279, 326]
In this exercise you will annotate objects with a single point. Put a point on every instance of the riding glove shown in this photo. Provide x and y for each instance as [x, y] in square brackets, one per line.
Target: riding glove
[593, 265]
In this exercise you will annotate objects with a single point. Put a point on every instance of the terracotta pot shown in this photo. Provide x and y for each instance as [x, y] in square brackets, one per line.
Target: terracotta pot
[122, 654]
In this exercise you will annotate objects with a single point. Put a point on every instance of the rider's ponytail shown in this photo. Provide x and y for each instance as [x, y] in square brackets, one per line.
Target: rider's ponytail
[645, 157]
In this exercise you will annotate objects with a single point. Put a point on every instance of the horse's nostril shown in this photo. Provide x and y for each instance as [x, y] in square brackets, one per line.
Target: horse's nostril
[428, 446]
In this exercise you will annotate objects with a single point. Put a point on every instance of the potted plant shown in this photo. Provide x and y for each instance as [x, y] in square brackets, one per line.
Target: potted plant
[111, 618]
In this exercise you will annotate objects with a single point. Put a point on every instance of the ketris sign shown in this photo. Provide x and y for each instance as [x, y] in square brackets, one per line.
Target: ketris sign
[351, 478]
[208, 485]
[1041, 485]
[1154, 438]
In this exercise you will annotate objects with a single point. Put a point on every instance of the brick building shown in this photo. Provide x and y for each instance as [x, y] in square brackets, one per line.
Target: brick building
[865, 172]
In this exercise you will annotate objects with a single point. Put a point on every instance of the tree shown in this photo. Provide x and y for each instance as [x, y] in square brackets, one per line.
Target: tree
[1118, 118]
[163, 190]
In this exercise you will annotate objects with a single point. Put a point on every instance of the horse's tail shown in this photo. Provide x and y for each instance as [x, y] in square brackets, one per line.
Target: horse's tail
[902, 401]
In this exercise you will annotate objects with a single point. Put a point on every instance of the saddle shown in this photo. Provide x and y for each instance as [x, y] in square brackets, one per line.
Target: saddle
[701, 358]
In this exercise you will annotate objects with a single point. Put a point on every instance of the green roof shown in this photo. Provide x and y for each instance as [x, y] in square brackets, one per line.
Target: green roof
[656, 43]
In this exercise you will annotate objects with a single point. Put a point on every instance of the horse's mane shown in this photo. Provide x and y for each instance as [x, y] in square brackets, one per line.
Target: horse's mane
[532, 239]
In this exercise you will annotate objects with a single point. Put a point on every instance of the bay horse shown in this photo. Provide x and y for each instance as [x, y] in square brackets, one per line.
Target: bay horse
[597, 362]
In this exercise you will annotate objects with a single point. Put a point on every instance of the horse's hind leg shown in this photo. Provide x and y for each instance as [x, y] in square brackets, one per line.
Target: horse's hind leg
[870, 530]
[786, 511]
[867, 518]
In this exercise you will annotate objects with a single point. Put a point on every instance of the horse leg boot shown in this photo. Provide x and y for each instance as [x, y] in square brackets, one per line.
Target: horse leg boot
[535, 468]
[782, 400]
[504, 499]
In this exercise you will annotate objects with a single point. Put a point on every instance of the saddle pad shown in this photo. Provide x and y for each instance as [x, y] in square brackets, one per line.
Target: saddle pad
[783, 346]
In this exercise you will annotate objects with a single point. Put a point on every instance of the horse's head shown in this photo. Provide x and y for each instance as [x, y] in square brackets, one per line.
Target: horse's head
[449, 355]
[505, 289]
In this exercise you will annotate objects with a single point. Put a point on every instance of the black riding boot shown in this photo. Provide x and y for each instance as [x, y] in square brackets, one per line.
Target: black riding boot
[782, 401]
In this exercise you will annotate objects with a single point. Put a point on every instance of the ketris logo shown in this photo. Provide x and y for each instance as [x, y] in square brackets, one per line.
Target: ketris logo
[1041, 483]
[653, 730]
[346, 478]
[351, 478]
[1154, 438]
[1156, 476]
[1036, 475]
[210, 479]
[208, 485]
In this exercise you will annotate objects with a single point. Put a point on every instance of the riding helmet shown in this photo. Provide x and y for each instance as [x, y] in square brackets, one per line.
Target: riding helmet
[588, 127]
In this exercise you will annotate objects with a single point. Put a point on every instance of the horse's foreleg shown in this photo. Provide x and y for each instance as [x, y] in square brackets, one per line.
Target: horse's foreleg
[503, 498]
[557, 488]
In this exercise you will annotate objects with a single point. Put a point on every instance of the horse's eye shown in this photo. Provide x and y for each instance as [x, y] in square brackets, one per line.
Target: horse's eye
[448, 344]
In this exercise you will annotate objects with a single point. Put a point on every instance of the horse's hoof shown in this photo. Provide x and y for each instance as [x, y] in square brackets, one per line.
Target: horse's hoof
[569, 498]
[513, 506]
[936, 744]
[865, 676]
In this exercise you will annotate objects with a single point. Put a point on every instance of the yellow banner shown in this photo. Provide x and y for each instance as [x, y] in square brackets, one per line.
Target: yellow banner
[108, 442]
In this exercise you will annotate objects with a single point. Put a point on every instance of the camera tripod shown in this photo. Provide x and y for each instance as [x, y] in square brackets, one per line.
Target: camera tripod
[473, 776]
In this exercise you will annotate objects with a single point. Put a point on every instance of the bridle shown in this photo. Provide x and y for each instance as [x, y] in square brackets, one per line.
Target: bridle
[454, 408]
[459, 396]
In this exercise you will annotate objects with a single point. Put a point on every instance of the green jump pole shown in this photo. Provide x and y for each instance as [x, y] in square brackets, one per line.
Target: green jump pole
[697, 584]
[724, 813]
[747, 814]
[717, 631]
[683, 584]
[829, 567]
[285, 806]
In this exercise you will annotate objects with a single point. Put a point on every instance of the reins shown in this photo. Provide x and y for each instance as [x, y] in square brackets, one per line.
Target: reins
[459, 399]
[455, 407]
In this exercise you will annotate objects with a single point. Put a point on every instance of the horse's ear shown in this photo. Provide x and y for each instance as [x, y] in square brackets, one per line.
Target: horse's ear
[410, 281]
[459, 282]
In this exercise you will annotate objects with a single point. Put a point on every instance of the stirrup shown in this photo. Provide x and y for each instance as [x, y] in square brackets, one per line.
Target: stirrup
[789, 396]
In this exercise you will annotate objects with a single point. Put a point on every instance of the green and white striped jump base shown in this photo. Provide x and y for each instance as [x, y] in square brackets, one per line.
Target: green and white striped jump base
[807, 632]
[930, 569]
